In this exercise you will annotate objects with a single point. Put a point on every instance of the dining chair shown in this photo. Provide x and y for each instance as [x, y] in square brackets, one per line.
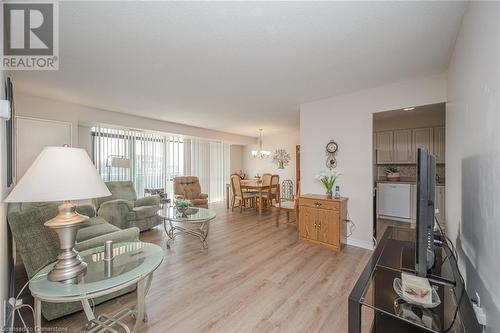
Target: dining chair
[239, 195]
[288, 203]
[273, 192]
[266, 178]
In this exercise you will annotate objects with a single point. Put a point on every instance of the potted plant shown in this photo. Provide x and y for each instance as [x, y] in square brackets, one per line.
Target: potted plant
[328, 179]
[392, 172]
[182, 205]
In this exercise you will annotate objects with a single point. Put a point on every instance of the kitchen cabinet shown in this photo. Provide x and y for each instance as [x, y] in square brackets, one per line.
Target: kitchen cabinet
[403, 150]
[440, 144]
[323, 220]
[384, 147]
[394, 201]
[422, 138]
[400, 146]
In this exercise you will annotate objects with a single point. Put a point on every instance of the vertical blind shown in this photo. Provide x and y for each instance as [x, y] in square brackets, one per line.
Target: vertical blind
[157, 159]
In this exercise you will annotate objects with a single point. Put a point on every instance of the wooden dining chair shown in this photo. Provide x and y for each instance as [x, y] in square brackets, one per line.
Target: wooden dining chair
[273, 192]
[288, 204]
[266, 178]
[238, 195]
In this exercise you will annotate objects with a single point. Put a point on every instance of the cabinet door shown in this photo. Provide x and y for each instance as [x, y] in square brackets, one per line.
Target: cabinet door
[403, 152]
[422, 138]
[328, 226]
[308, 217]
[440, 144]
[384, 146]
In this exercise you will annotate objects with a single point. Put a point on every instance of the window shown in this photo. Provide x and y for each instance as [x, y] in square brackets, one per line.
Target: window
[155, 160]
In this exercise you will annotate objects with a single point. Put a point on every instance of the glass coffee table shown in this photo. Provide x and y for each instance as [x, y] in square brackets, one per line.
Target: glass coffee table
[133, 263]
[195, 221]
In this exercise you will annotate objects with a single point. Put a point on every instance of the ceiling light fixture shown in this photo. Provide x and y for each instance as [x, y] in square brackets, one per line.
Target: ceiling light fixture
[409, 109]
[260, 153]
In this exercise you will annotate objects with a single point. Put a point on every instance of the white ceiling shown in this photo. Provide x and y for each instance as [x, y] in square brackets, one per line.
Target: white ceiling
[239, 66]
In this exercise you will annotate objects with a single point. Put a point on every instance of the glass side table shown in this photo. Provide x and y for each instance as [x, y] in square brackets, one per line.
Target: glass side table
[196, 223]
[133, 264]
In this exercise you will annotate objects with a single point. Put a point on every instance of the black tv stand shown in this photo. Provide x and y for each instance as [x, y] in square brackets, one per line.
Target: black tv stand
[374, 290]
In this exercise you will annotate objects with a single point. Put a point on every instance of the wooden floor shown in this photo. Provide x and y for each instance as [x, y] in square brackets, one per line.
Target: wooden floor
[254, 277]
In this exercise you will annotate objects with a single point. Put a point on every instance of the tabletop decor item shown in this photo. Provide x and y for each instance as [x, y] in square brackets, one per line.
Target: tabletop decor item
[281, 158]
[62, 174]
[331, 151]
[182, 205]
[417, 299]
[328, 179]
[392, 172]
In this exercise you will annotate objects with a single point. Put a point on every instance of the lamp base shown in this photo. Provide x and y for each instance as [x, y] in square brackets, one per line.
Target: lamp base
[69, 265]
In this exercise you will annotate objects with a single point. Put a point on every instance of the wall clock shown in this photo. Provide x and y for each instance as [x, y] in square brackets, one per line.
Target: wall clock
[331, 150]
[332, 147]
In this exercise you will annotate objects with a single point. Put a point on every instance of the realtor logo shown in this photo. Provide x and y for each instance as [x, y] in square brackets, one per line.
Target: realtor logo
[30, 34]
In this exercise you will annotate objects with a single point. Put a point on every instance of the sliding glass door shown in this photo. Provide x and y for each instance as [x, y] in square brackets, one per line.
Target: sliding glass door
[153, 160]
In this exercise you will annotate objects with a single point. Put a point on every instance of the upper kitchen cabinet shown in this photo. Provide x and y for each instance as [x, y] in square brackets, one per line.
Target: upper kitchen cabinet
[422, 138]
[403, 151]
[384, 142]
[440, 144]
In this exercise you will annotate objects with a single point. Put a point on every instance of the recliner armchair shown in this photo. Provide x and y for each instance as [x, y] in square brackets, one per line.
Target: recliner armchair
[124, 210]
[189, 188]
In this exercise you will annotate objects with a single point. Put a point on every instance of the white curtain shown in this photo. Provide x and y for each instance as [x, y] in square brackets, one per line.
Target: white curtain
[157, 159]
[209, 161]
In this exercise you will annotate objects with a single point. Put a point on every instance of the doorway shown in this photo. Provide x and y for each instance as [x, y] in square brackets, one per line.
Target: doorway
[397, 136]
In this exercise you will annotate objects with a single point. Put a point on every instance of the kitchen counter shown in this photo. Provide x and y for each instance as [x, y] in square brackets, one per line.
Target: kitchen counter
[405, 180]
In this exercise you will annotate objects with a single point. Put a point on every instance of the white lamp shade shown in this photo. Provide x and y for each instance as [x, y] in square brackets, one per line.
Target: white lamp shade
[58, 174]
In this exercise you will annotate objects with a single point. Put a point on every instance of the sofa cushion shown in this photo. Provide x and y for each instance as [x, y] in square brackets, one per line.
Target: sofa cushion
[140, 213]
[119, 190]
[197, 202]
[98, 228]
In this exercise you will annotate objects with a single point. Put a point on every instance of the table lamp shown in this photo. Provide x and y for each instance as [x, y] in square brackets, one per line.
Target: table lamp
[62, 174]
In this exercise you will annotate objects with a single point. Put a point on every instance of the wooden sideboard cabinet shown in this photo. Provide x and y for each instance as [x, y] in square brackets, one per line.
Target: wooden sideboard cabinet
[323, 221]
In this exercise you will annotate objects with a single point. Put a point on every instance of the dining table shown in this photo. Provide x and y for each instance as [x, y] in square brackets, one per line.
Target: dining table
[252, 185]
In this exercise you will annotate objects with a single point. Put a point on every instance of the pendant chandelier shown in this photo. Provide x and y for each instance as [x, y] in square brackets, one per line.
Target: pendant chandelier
[260, 153]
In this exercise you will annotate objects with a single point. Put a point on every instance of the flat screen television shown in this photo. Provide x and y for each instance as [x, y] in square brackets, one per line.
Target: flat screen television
[426, 185]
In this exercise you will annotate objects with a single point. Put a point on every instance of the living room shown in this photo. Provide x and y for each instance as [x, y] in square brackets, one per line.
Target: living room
[219, 166]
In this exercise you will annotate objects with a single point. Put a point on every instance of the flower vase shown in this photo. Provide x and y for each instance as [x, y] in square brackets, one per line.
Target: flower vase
[329, 193]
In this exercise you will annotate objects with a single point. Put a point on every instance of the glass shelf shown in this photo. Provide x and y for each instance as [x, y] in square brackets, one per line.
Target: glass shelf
[192, 214]
[131, 261]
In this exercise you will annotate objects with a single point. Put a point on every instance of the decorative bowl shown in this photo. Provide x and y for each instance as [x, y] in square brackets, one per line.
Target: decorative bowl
[399, 290]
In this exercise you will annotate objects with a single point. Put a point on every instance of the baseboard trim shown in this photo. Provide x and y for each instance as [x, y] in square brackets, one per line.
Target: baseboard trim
[360, 243]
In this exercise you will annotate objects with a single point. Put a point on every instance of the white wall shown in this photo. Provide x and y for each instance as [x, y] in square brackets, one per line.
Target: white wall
[287, 141]
[236, 159]
[78, 115]
[348, 119]
[473, 154]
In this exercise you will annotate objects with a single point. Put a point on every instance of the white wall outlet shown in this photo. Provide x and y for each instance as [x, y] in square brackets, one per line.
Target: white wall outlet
[4, 109]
